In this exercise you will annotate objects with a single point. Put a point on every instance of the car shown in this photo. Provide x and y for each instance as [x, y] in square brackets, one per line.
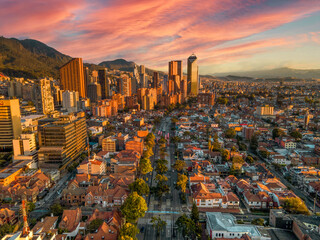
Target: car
[142, 229]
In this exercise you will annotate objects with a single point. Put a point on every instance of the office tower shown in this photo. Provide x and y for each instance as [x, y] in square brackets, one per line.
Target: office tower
[72, 77]
[149, 99]
[10, 122]
[109, 144]
[104, 83]
[175, 68]
[87, 79]
[70, 101]
[165, 84]
[184, 89]
[193, 76]
[143, 80]
[175, 74]
[94, 92]
[156, 79]
[57, 96]
[42, 96]
[125, 83]
[142, 69]
[62, 141]
[94, 76]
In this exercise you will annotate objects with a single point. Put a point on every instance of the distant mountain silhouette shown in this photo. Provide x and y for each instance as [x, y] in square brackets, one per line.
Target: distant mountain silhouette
[29, 58]
[276, 73]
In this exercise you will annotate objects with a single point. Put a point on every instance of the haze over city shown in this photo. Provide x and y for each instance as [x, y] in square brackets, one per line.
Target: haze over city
[230, 35]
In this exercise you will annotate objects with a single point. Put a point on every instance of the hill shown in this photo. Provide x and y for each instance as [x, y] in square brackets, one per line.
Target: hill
[29, 58]
[276, 73]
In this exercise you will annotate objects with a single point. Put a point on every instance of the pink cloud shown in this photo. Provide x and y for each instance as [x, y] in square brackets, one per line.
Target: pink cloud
[153, 32]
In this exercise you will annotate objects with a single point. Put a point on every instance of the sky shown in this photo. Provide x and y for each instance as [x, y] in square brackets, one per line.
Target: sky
[226, 35]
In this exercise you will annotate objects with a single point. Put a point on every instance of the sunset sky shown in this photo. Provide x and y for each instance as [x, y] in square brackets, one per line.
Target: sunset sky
[226, 35]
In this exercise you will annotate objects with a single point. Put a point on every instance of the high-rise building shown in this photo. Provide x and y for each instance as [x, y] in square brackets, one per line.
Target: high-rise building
[70, 101]
[105, 83]
[143, 80]
[125, 83]
[142, 69]
[42, 96]
[87, 79]
[62, 141]
[175, 68]
[10, 122]
[72, 77]
[156, 79]
[94, 92]
[193, 76]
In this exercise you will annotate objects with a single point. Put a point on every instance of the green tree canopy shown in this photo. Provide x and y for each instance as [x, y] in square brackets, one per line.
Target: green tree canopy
[296, 135]
[230, 133]
[128, 231]
[161, 168]
[179, 165]
[94, 225]
[296, 206]
[186, 226]
[56, 209]
[139, 186]
[134, 207]
[195, 213]
[161, 178]
[182, 182]
[145, 166]
[277, 132]
[158, 224]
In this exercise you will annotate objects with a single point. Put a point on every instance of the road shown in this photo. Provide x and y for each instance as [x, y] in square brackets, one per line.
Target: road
[168, 207]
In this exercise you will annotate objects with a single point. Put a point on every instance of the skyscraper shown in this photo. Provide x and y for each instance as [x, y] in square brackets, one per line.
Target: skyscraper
[156, 79]
[175, 74]
[72, 77]
[94, 92]
[104, 83]
[42, 96]
[193, 76]
[10, 122]
[142, 69]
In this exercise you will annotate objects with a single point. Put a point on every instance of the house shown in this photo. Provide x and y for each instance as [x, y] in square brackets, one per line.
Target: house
[104, 232]
[70, 221]
[198, 178]
[46, 225]
[73, 197]
[93, 166]
[258, 201]
[203, 198]
[242, 186]
[7, 216]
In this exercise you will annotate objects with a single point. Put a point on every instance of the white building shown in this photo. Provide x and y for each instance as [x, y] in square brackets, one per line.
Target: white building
[70, 101]
[222, 225]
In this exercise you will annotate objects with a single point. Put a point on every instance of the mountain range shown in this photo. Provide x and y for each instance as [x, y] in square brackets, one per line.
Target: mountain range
[34, 59]
[276, 73]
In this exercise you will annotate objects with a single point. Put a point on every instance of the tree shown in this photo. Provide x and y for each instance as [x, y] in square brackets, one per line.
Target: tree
[179, 165]
[139, 186]
[296, 206]
[134, 207]
[145, 166]
[161, 178]
[149, 140]
[175, 139]
[225, 154]
[264, 153]
[254, 142]
[223, 101]
[56, 209]
[162, 188]
[148, 153]
[195, 213]
[258, 221]
[162, 140]
[186, 226]
[249, 159]
[174, 120]
[31, 206]
[158, 224]
[277, 132]
[128, 231]
[161, 168]
[296, 135]
[6, 228]
[182, 182]
[237, 159]
[94, 225]
[230, 133]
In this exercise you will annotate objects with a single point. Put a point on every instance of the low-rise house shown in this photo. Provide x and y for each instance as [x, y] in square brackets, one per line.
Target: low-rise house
[258, 201]
[70, 222]
[46, 225]
[7, 216]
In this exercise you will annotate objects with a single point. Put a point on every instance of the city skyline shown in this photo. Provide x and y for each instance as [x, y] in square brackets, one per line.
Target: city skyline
[226, 36]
